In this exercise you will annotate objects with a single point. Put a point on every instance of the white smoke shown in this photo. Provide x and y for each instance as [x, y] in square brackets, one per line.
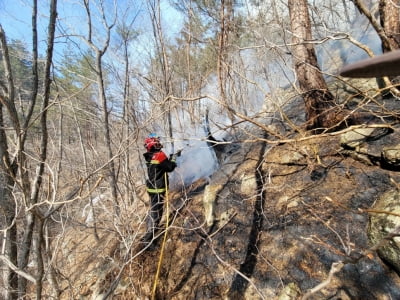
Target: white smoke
[196, 161]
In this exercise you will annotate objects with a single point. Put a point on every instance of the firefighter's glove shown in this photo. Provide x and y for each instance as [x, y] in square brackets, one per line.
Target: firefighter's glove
[172, 157]
[178, 153]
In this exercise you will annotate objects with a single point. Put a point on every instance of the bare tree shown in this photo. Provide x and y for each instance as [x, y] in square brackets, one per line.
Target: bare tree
[225, 28]
[99, 52]
[7, 173]
[163, 61]
[14, 163]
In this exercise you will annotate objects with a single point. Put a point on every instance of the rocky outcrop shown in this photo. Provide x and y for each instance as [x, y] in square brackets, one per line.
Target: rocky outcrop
[375, 145]
[283, 215]
[209, 199]
[384, 227]
[391, 155]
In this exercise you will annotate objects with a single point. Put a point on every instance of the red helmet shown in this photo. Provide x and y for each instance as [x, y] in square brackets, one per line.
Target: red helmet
[152, 142]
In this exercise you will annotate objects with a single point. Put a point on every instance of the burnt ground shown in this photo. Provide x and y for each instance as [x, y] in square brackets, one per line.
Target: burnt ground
[284, 215]
[303, 214]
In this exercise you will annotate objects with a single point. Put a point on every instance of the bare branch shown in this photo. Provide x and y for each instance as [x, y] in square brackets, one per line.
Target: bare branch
[336, 267]
[16, 270]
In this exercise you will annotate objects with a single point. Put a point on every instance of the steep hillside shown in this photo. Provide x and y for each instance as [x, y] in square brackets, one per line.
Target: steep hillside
[284, 217]
[277, 220]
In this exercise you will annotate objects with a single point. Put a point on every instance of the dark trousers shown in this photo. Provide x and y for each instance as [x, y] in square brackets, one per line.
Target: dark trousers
[156, 211]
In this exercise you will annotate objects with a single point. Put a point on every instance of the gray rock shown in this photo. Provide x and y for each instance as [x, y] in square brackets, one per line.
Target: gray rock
[391, 155]
[353, 139]
[385, 223]
[290, 292]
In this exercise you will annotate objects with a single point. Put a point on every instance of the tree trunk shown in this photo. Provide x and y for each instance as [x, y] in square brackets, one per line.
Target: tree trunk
[390, 21]
[387, 29]
[10, 169]
[9, 236]
[318, 100]
[99, 53]
[103, 99]
[166, 84]
[30, 217]
[7, 173]
[225, 21]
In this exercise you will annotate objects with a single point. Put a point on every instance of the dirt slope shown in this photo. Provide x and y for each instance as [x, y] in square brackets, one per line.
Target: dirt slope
[283, 216]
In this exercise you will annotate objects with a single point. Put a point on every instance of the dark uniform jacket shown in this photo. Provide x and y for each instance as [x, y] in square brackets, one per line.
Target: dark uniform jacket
[158, 165]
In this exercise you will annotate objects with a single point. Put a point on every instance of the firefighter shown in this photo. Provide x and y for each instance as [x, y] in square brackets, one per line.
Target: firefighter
[158, 165]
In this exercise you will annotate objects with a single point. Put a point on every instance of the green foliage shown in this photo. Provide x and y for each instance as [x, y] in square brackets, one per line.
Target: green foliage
[21, 68]
[23, 80]
[77, 89]
[196, 48]
[76, 71]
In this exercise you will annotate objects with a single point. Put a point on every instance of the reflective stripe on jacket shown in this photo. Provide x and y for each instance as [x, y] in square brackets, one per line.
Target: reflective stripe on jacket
[156, 191]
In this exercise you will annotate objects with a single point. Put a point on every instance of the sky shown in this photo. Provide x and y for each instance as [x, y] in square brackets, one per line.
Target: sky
[15, 18]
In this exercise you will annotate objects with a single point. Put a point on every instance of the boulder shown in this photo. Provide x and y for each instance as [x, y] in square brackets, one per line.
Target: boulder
[354, 138]
[384, 222]
[209, 198]
[391, 155]
[248, 185]
[290, 292]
